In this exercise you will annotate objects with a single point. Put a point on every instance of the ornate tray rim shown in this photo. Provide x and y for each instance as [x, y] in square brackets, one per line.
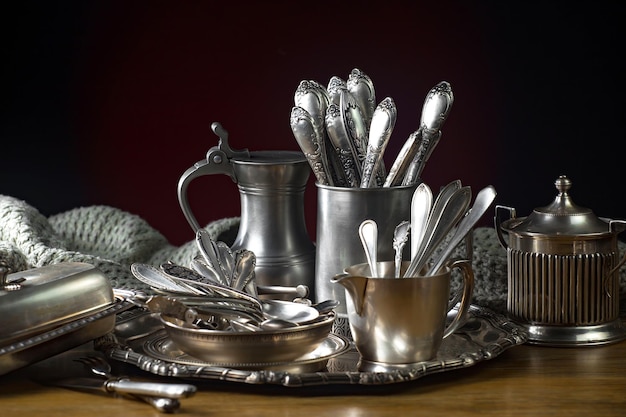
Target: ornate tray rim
[512, 335]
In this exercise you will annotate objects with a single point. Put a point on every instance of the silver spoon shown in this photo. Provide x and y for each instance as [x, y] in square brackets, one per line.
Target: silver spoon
[311, 142]
[244, 325]
[325, 306]
[355, 121]
[404, 159]
[435, 111]
[443, 218]
[484, 199]
[383, 122]
[156, 278]
[243, 272]
[343, 144]
[400, 237]
[208, 249]
[368, 232]
[421, 204]
[361, 87]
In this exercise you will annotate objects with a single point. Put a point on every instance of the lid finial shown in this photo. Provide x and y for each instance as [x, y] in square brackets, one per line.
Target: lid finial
[563, 184]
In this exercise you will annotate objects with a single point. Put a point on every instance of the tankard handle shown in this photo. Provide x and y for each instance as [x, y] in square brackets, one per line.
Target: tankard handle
[217, 161]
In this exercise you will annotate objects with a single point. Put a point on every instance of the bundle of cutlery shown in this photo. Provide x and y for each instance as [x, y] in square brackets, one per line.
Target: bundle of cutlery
[344, 133]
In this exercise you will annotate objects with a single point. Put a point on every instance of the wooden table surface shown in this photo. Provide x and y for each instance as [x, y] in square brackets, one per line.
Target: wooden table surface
[524, 380]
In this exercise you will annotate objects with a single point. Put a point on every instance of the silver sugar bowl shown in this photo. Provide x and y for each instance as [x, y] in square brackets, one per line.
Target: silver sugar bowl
[563, 272]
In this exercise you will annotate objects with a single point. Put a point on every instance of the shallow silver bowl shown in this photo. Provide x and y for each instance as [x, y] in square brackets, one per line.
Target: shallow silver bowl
[224, 346]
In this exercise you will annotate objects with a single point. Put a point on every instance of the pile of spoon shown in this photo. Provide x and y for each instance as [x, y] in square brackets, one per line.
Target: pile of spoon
[436, 228]
[220, 285]
[344, 133]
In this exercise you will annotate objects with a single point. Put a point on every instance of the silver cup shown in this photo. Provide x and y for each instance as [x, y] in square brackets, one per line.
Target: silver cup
[340, 211]
[401, 321]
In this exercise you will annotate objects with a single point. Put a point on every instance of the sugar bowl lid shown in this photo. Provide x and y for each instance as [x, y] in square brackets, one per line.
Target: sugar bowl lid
[561, 217]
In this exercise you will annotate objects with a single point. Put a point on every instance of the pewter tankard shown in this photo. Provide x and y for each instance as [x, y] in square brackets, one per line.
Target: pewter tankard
[271, 188]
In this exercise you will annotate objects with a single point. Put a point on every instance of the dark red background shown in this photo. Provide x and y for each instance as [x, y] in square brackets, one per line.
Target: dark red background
[109, 102]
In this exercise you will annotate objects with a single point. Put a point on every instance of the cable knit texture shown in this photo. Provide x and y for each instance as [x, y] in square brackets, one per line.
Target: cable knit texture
[112, 239]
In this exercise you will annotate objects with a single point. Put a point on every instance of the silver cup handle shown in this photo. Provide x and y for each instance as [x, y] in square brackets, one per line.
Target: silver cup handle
[468, 288]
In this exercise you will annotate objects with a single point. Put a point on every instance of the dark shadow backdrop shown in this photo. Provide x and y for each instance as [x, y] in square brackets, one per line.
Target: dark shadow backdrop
[108, 102]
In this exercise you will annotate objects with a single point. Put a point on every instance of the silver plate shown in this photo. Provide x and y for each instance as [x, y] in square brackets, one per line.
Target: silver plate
[485, 336]
[160, 346]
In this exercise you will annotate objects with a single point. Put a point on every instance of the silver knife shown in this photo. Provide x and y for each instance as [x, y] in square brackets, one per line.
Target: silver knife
[163, 396]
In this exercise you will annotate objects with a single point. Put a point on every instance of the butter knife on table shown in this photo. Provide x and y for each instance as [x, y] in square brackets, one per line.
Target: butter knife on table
[162, 396]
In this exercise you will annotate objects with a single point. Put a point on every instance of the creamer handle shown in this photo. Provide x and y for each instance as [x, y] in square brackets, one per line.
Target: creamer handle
[497, 223]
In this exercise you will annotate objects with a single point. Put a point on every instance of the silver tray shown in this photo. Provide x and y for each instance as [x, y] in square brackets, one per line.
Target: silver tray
[485, 336]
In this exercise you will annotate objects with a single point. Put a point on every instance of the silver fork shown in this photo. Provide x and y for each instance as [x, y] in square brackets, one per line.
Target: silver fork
[162, 396]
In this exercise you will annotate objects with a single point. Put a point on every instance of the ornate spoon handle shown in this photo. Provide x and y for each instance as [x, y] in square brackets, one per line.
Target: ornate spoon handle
[303, 128]
[383, 122]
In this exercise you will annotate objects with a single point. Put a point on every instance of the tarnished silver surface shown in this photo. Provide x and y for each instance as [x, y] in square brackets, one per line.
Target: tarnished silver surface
[383, 122]
[483, 337]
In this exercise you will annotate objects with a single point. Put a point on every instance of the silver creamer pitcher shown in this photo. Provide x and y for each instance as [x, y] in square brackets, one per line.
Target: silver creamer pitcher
[272, 225]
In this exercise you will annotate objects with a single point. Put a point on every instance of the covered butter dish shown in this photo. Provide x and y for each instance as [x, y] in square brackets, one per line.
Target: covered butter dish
[563, 272]
[47, 310]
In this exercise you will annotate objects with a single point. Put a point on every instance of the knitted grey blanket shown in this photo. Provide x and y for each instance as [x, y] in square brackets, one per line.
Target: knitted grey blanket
[112, 239]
